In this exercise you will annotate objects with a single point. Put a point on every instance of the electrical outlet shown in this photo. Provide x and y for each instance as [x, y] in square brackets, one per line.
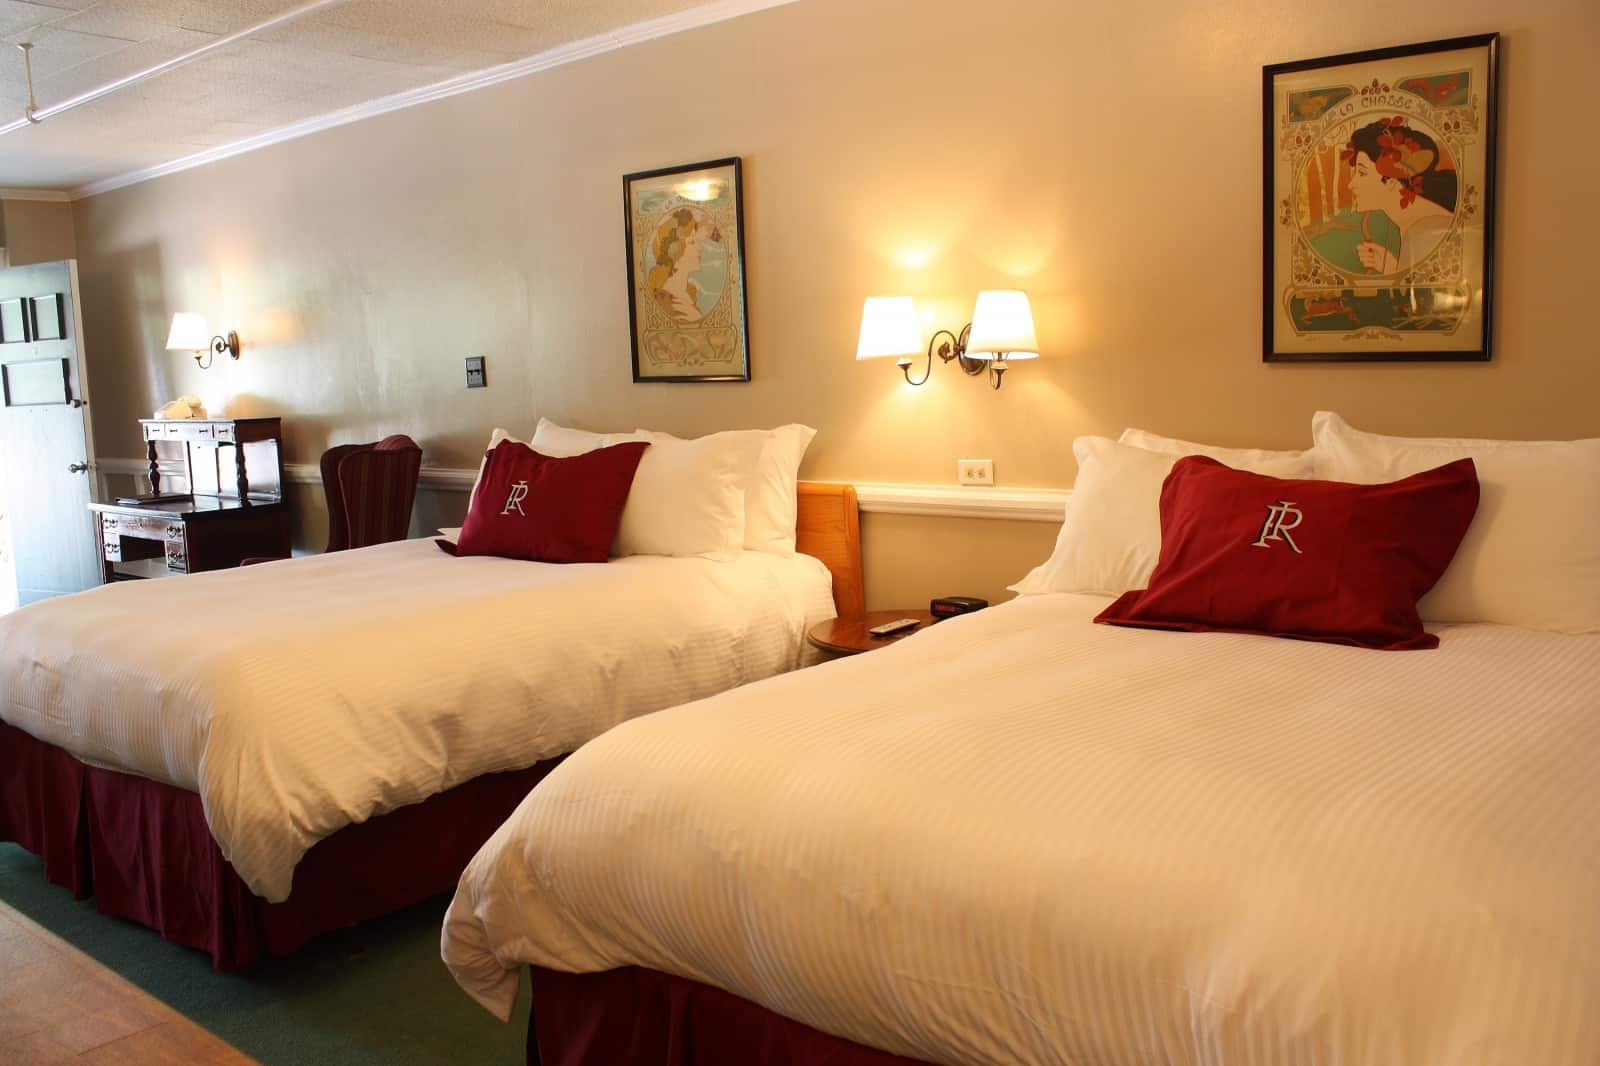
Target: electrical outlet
[477, 373]
[975, 471]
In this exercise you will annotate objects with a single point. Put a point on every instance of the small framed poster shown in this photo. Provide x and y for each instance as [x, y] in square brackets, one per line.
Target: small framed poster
[14, 324]
[48, 317]
[1379, 182]
[686, 288]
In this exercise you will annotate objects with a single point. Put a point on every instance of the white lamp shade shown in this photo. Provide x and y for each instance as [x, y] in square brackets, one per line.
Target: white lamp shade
[889, 327]
[1002, 327]
[189, 333]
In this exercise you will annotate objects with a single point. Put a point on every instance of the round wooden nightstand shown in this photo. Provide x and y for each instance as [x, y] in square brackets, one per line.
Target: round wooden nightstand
[849, 636]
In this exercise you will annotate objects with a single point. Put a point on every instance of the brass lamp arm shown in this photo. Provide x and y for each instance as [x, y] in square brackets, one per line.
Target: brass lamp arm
[219, 345]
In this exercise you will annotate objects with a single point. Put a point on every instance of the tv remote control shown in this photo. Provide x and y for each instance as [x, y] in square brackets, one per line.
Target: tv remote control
[899, 625]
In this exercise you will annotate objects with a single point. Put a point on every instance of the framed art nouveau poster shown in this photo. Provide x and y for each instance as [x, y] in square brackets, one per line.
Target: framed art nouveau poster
[686, 291]
[1379, 204]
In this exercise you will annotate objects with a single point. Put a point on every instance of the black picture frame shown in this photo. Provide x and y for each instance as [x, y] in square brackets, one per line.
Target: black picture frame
[727, 320]
[48, 317]
[1354, 317]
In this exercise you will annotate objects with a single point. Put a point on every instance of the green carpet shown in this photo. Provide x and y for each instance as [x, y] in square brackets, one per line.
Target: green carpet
[376, 993]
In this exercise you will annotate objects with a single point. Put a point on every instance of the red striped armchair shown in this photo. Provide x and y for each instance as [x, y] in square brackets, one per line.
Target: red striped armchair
[370, 489]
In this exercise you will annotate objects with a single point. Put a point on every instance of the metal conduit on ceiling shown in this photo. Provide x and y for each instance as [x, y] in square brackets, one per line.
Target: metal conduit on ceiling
[35, 115]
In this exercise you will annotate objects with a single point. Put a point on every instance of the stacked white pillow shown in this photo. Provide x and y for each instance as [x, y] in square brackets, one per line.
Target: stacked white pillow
[1532, 555]
[560, 442]
[1111, 533]
[686, 499]
[712, 496]
[1296, 464]
[769, 474]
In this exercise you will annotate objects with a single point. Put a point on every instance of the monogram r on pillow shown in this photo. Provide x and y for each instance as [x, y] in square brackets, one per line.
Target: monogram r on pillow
[547, 509]
[1282, 518]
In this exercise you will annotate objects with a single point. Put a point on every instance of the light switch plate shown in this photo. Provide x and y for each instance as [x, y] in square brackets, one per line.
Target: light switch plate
[477, 372]
[975, 471]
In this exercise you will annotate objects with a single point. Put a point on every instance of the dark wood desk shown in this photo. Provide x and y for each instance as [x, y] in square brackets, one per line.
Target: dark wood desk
[188, 536]
[235, 509]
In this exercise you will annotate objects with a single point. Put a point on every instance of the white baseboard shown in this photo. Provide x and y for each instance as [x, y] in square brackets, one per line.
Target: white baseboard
[875, 497]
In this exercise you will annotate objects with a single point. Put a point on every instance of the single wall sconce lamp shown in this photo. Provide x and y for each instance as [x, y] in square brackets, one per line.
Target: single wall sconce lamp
[1001, 330]
[190, 333]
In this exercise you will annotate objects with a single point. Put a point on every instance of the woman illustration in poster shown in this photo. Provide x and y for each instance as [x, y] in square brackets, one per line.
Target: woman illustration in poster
[1401, 172]
[677, 255]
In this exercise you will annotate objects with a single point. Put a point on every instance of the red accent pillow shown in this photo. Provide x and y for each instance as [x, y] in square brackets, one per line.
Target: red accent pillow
[1311, 560]
[532, 506]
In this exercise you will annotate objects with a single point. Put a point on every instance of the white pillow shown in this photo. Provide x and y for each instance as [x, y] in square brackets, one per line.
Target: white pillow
[1291, 464]
[560, 442]
[771, 492]
[1111, 533]
[1532, 554]
[687, 498]
[450, 533]
[770, 470]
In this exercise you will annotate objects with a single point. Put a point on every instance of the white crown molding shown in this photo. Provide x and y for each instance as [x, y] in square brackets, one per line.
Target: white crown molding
[635, 33]
[45, 196]
[874, 497]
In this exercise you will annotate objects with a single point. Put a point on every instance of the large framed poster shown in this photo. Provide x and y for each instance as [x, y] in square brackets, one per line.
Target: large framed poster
[686, 293]
[1379, 204]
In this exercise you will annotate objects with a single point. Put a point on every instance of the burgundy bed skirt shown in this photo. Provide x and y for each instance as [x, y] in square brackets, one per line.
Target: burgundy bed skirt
[144, 851]
[639, 1017]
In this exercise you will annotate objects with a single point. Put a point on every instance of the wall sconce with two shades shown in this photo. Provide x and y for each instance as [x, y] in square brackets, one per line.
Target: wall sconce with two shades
[1001, 330]
[190, 334]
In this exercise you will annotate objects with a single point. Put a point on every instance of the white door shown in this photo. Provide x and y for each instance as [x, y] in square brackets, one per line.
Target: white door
[48, 537]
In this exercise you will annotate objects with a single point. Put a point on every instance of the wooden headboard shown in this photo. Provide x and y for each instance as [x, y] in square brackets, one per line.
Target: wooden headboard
[828, 527]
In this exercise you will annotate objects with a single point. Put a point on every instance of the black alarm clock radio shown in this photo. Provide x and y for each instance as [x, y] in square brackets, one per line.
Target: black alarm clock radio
[950, 606]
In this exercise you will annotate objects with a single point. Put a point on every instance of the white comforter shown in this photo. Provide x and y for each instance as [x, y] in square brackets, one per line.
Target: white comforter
[1022, 838]
[301, 696]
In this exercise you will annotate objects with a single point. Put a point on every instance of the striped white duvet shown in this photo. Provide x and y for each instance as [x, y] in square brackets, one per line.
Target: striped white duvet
[1022, 838]
[302, 696]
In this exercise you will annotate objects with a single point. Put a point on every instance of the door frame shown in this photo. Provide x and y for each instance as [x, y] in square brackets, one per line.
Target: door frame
[97, 485]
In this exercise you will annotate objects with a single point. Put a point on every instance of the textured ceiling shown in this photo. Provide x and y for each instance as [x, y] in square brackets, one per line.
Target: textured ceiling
[351, 53]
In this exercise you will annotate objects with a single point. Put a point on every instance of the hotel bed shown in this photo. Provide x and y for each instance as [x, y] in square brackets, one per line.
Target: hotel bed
[1019, 837]
[1023, 837]
[244, 759]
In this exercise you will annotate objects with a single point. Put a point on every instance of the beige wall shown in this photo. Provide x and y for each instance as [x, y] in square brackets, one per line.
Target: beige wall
[34, 231]
[1105, 157]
